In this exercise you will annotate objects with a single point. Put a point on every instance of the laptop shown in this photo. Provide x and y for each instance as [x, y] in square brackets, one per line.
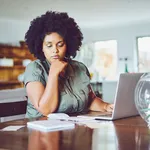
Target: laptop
[124, 105]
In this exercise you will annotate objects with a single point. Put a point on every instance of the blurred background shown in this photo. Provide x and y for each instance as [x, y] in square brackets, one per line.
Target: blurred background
[116, 38]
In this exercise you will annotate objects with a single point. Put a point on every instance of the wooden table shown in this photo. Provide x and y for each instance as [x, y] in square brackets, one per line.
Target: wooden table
[124, 134]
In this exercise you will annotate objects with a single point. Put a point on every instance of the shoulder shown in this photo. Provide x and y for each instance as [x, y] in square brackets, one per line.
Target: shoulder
[34, 72]
[34, 67]
[80, 67]
[78, 64]
[36, 64]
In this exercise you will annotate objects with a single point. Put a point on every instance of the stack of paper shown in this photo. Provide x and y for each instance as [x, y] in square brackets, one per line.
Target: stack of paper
[89, 121]
[50, 125]
[63, 116]
[58, 116]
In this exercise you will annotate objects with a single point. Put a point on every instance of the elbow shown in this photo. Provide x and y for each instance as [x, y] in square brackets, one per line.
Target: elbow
[46, 108]
[45, 111]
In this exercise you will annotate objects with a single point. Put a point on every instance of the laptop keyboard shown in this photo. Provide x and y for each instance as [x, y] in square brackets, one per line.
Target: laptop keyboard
[99, 114]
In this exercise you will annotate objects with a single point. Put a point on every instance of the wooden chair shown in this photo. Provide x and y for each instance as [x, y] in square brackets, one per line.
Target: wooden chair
[12, 104]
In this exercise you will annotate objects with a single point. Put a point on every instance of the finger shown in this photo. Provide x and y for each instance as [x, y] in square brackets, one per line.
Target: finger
[111, 106]
[109, 110]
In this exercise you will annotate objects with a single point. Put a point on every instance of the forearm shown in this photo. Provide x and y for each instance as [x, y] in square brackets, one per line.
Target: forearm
[98, 104]
[49, 100]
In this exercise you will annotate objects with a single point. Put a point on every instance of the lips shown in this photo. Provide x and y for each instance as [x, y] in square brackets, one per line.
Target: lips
[55, 57]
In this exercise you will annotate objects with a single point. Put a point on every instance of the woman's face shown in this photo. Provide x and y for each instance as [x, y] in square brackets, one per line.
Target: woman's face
[54, 47]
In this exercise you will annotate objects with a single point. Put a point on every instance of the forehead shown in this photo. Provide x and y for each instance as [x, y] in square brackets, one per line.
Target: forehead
[53, 37]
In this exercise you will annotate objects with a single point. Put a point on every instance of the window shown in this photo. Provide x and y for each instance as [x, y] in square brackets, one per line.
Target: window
[106, 58]
[101, 59]
[143, 44]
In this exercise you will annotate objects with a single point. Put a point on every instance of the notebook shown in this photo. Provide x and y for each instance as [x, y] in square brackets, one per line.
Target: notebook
[50, 125]
[124, 105]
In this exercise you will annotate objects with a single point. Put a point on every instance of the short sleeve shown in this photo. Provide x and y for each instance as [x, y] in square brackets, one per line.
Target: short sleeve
[34, 72]
[85, 72]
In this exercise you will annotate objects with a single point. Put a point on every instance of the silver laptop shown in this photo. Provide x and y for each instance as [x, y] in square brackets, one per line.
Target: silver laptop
[124, 105]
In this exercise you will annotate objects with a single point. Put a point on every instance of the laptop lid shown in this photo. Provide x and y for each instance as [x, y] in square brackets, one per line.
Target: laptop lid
[124, 105]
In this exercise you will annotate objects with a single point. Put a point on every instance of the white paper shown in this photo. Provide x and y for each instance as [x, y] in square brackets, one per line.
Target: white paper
[65, 117]
[74, 119]
[11, 128]
[77, 119]
[50, 125]
[57, 116]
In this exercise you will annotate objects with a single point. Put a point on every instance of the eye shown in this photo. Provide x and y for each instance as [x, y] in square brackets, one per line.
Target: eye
[61, 44]
[49, 45]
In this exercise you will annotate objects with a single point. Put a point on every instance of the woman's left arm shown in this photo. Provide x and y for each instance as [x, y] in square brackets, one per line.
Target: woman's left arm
[97, 104]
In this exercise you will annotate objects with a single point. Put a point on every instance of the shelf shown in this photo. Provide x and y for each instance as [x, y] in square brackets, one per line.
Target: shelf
[10, 84]
[9, 74]
[15, 52]
[12, 67]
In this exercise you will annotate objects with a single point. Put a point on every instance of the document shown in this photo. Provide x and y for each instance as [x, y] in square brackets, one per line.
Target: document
[11, 128]
[58, 116]
[74, 119]
[50, 125]
[65, 117]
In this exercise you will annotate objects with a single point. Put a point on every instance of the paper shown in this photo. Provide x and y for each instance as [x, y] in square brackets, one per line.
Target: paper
[11, 128]
[50, 125]
[65, 117]
[96, 115]
[77, 119]
[58, 116]
[88, 121]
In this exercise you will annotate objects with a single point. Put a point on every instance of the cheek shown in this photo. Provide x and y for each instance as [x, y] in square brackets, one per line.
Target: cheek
[47, 54]
[63, 52]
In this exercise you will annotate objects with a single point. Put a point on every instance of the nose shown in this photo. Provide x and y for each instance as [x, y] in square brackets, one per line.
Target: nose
[55, 49]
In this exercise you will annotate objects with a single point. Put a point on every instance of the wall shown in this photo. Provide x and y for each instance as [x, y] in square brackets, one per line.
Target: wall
[126, 39]
[12, 31]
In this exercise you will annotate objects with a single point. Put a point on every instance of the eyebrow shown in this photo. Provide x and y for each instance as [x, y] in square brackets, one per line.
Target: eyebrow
[48, 42]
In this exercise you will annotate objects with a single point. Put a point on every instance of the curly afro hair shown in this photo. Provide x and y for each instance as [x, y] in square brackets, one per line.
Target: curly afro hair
[50, 22]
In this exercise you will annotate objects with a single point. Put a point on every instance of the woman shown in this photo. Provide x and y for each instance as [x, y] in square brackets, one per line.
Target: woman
[54, 82]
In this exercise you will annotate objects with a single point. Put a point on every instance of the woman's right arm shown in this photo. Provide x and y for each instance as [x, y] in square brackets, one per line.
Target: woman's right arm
[45, 99]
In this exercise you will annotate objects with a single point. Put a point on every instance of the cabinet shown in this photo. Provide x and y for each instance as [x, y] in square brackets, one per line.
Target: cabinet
[9, 74]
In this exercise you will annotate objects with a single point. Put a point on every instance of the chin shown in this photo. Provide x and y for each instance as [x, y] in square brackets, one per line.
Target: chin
[52, 60]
